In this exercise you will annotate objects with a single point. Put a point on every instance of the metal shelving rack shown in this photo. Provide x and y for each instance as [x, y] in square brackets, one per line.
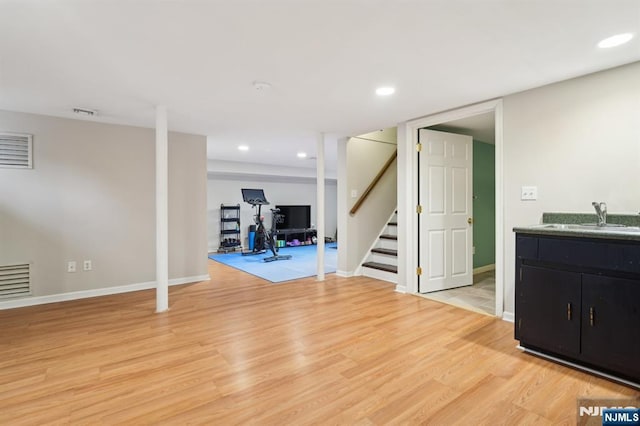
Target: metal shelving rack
[229, 228]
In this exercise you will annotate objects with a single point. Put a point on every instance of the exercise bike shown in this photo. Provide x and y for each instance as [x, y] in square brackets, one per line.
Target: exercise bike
[263, 240]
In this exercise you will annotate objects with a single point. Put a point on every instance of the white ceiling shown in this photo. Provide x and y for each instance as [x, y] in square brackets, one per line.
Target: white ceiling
[323, 58]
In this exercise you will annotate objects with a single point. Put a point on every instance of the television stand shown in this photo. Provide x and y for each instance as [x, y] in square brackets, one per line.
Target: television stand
[286, 237]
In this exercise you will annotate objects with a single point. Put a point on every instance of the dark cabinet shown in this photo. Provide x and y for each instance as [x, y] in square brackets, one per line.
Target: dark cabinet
[579, 300]
[549, 314]
[611, 323]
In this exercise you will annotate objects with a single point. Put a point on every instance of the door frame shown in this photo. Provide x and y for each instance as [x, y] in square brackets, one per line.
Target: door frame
[408, 246]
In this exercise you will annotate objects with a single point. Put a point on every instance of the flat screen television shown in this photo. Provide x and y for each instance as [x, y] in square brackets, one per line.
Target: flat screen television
[294, 217]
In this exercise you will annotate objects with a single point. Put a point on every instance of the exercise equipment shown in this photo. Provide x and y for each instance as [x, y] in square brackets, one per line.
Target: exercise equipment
[263, 240]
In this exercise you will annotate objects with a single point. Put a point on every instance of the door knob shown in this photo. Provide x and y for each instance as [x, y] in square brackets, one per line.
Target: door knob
[470, 220]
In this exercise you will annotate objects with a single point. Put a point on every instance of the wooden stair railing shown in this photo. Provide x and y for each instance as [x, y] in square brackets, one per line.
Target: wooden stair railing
[373, 183]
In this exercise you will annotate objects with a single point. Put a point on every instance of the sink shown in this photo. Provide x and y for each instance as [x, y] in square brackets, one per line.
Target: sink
[572, 226]
[610, 227]
[559, 226]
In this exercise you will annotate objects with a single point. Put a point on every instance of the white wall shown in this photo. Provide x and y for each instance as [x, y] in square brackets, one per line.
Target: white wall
[225, 189]
[364, 159]
[578, 141]
[91, 196]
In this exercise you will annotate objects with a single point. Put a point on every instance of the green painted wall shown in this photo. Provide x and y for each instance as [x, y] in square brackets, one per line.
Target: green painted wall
[484, 202]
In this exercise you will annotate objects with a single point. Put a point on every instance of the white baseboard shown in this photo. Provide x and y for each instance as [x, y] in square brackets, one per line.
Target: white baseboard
[485, 268]
[508, 316]
[401, 289]
[105, 291]
[345, 274]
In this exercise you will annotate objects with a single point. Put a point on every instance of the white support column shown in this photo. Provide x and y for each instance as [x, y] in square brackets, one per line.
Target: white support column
[342, 269]
[407, 254]
[162, 210]
[320, 203]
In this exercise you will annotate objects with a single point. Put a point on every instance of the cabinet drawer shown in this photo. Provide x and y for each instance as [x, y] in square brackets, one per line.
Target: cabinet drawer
[623, 257]
[575, 253]
[526, 247]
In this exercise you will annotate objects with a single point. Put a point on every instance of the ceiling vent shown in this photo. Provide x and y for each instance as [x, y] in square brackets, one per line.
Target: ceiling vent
[16, 151]
[85, 112]
[14, 280]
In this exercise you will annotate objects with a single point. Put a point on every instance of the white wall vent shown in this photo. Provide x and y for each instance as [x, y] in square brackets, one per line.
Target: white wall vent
[16, 150]
[14, 280]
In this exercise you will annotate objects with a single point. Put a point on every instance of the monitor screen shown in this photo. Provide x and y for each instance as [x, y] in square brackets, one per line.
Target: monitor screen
[254, 196]
[294, 217]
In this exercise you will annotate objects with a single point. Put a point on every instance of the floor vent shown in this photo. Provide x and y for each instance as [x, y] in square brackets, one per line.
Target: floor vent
[15, 151]
[14, 280]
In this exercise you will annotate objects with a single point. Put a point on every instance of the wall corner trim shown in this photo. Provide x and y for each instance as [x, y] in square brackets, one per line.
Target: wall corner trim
[508, 316]
[105, 291]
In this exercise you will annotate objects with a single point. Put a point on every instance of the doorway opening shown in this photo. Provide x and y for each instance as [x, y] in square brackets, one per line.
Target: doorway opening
[476, 289]
[408, 198]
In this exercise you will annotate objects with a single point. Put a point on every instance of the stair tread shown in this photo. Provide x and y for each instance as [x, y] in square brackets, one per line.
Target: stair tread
[389, 237]
[381, 266]
[390, 252]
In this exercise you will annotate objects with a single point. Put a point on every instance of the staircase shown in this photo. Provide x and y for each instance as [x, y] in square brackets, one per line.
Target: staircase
[382, 261]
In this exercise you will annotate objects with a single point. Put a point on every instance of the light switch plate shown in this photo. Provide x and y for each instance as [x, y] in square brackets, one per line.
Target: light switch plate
[529, 193]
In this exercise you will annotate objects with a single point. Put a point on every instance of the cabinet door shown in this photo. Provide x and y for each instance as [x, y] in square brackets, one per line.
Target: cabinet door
[549, 310]
[526, 249]
[611, 323]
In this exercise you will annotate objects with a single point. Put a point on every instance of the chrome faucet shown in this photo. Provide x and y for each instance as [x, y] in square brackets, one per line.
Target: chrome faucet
[601, 211]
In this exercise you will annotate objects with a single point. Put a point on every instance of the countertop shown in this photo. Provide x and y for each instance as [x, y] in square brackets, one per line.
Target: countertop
[629, 233]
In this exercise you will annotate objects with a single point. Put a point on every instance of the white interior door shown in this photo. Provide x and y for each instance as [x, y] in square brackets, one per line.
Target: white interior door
[446, 187]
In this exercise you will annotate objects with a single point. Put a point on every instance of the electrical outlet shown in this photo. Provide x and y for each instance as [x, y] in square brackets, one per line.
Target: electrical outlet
[529, 193]
[71, 266]
[87, 266]
[354, 193]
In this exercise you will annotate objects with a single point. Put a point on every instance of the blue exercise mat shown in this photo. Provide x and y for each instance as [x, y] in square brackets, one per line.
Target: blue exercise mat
[302, 263]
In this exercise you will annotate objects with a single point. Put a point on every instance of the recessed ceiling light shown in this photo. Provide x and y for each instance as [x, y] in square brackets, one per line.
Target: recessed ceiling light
[385, 91]
[261, 85]
[302, 155]
[243, 148]
[615, 40]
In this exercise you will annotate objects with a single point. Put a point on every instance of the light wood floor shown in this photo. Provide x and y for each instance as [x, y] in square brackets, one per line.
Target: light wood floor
[239, 350]
[479, 297]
